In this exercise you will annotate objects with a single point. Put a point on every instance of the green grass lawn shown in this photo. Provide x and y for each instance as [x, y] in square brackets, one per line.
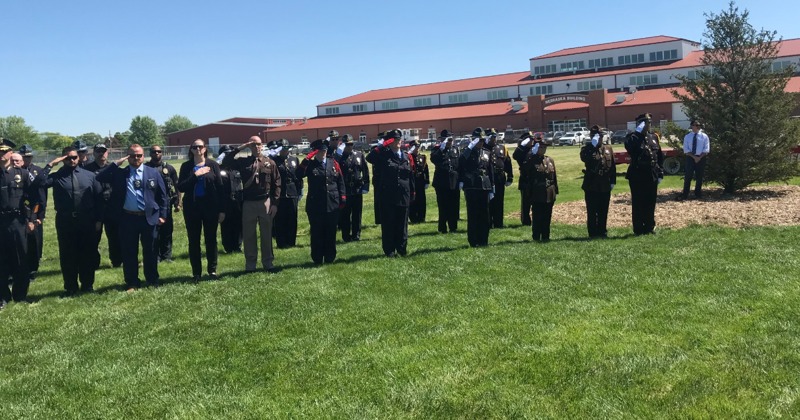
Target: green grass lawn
[699, 322]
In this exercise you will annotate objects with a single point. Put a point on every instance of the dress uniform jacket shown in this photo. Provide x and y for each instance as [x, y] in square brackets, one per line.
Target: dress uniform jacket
[475, 167]
[647, 159]
[397, 190]
[326, 195]
[601, 171]
[16, 192]
[445, 173]
[542, 181]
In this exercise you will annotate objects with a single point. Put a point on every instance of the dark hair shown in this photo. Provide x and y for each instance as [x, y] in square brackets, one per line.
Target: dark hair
[205, 149]
[68, 149]
[697, 123]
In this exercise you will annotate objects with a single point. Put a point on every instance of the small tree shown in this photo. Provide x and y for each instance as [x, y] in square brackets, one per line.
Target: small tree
[145, 132]
[14, 128]
[177, 123]
[741, 99]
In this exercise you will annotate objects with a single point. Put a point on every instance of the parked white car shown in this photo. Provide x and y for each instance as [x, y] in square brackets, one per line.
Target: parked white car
[572, 138]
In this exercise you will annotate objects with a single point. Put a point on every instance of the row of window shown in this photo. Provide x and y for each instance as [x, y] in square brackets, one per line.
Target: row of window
[648, 79]
[422, 102]
[575, 65]
[542, 90]
[630, 59]
[607, 62]
[664, 55]
[551, 68]
[459, 98]
[590, 85]
[601, 62]
[497, 94]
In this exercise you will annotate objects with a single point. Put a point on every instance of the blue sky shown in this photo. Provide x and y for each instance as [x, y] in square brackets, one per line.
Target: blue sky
[91, 66]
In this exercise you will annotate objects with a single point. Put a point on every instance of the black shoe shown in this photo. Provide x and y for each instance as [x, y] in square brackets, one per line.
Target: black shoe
[392, 255]
[68, 294]
[116, 264]
[196, 278]
[213, 275]
[402, 252]
[87, 289]
[273, 270]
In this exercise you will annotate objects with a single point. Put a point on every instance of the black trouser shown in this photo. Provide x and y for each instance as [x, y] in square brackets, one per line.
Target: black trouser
[114, 247]
[394, 229]
[284, 226]
[416, 210]
[477, 217]
[526, 208]
[597, 212]
[165, 238]
[540, 222]
[695, 170]
[200, 218]
[35, 243]
[13, 259]
[76, 251]
[376, 195]
[350, 218]
[133, 230]
[449, 203]
[323, 228]
[644, 192]
[231, 227]
[496, 206]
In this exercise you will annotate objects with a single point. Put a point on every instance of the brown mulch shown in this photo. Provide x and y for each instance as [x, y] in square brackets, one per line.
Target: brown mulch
[755, 206]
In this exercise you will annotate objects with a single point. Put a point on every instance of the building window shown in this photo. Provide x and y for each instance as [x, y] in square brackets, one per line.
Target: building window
[362, 137]
[422, 102]
[456, 99]
[574, 65]
[544, 69]
[431, 134]
[664, 55]
[590, 85]
[648, 79]
[542, 90]
[779, 66]
[389, 105]
[601, 62]
[631, 59]
[279, 121]
[359, 108]
[332, 110]
[497, 94]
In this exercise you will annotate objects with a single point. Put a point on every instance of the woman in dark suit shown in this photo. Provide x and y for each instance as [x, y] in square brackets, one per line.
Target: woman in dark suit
[200, 182]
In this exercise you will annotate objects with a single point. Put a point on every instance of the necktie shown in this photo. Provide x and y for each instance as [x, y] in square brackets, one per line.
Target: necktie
[140, 193]
[694, 144]
[76, 199]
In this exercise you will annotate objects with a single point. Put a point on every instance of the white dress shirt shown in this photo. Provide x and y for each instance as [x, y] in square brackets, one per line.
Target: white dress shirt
[703, 143]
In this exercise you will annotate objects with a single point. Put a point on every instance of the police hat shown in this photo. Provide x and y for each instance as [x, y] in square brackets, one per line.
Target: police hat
[414, 143]
[7, 145]
[26, 150]
[393, 134]
[644, 117]
[80, 146]
[491, 132]
[319, 144]
[282, 142]
[526, 135]
[225, 148]
[478, 132]
[100, 147]
[596, 130]
[445, 134]
[382, 135]
[272, 145]
[347, 139]
[333, 134]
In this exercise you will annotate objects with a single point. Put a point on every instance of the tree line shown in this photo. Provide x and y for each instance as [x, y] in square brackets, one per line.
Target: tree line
[143, 130]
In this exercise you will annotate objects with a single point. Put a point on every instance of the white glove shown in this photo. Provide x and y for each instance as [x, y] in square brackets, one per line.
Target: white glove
[535, 149]
[595, 140]
[491, 196]
[612, 186]
[340, 149]
[411, 150]
[659, 181]
[443, 145]
[427, 185]
[508, 183]
[525, 142]
[474, 143]
[640, 127]
[486, 140]
[220, 157]
[460, 185]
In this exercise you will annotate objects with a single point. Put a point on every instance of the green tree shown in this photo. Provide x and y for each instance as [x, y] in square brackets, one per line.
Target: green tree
[120, 139]
[741, 99]
[145, 132]
[90, 138]
[15, 129]
[55, 141]
[177, 123]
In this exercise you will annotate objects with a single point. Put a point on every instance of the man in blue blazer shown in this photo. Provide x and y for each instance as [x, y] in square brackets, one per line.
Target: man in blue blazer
[139, 201]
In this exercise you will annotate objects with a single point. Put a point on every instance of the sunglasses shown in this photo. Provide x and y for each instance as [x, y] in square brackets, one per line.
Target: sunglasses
[72, 157]
[136, 155]
[156, 151]
[197, 147]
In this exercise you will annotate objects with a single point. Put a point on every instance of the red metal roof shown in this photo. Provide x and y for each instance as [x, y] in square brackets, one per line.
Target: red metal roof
[430, 114]
[612, 45]
[486, 82]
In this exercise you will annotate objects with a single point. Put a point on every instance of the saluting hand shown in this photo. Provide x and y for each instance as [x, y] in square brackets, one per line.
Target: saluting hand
[121, 160]
[57, 160]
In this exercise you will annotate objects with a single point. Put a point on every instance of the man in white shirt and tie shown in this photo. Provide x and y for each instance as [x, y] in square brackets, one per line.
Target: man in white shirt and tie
[696, 146]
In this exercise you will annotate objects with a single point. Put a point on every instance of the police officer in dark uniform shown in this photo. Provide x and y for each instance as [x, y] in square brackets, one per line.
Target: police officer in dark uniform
[111, 223]
[445, 181]
[376, 191]
[285, 224]
[477, 179]
[35, 241]
[78, 201]
[541, 184]
[333, 142]
[231, 227]
[520, 155]
[599, 179]
[395, 169]
[326, 196]
[83, 152]
[170, 176]
[16, 222]
[356, 183]
[422, 179]
[645, 172]
[503, 174]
